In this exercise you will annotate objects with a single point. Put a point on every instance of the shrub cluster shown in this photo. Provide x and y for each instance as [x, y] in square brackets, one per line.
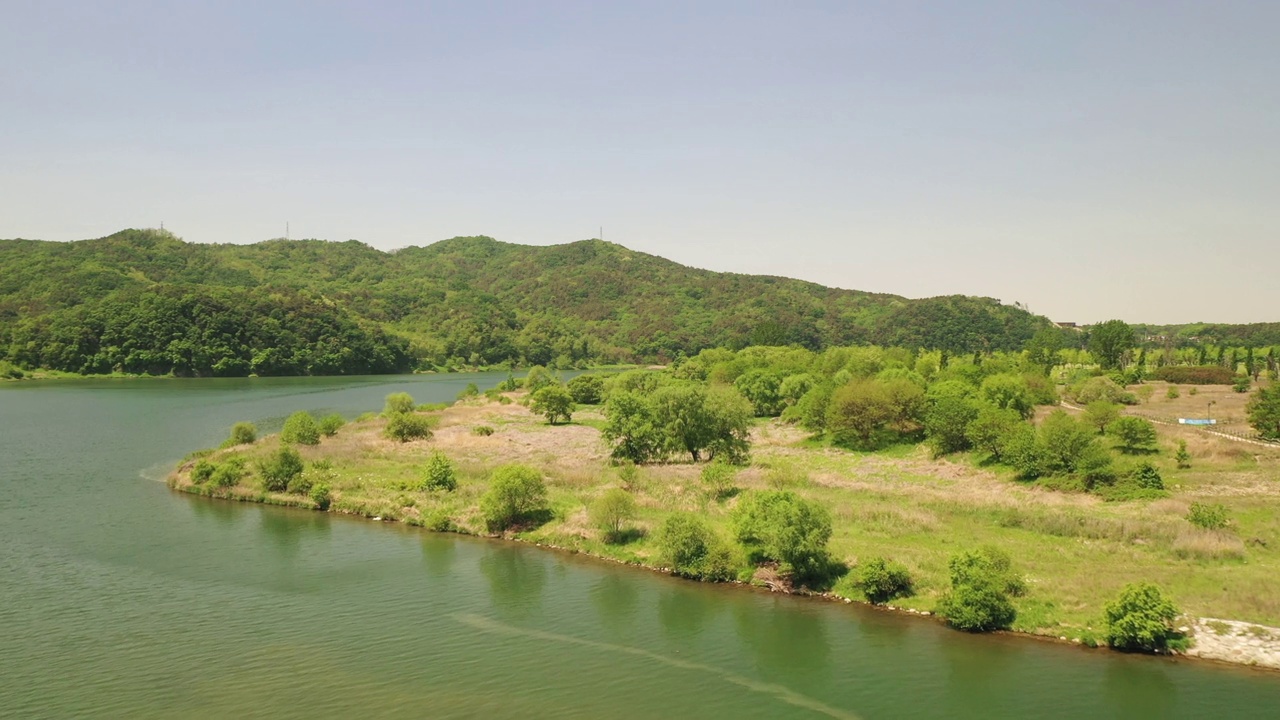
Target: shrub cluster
[1195, 375]
[403, 423]
[439, 473]
[516, 494]
[300, 428]
[692, 549]
[881, 580]
[982, 582]
[1140, 619]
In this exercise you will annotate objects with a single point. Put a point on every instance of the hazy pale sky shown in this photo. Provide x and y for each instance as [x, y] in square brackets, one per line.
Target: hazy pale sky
[1089, 159]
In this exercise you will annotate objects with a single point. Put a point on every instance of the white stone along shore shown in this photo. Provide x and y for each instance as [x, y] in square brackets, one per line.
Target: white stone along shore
[1236, 642]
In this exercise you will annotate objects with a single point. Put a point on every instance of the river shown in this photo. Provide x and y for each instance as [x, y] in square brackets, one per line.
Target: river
[121, 598]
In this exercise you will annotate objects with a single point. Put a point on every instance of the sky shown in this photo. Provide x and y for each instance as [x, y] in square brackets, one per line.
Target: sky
[1090, 160]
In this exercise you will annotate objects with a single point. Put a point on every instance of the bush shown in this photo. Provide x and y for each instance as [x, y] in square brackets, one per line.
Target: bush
[228, 472]
[397, 404]
[977, 608]
[439, 473]
[1134, 434]
[1140, 619]
[468, 392]
[482, 430]
[1146, 476]
[611, 511]
[587, 389]
[300, 428]
[1195, 375]
[981, 583]
[242, 433]
[992, 428]
[882, 581]
[331, 424]
[692, 549]
[1173, 393]
[718, 477]
[278, 468]
[1242, 384]
[986, 566]
[516, 493]
[1207, 517]
[1182, 457]
[1101, 413]
[780, 525]
[554, 402]
[321, 496]
[538, 378]
[202, 471]
[408, 426]
[1008, 392]
[1101, 388]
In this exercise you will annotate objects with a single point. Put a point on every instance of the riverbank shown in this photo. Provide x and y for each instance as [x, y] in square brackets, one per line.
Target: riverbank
[1075, 550]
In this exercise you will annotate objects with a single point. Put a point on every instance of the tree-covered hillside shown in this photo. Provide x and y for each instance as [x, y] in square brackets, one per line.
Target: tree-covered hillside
[145, 301]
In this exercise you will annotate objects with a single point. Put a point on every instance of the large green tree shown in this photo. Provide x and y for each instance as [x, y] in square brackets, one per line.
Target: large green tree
[1264, 411]
[1109, 341]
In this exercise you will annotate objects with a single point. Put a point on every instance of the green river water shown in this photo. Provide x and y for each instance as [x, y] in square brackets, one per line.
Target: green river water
[121, 598]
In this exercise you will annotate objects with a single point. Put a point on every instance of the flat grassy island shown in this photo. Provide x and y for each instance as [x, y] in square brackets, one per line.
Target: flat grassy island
[901, 521]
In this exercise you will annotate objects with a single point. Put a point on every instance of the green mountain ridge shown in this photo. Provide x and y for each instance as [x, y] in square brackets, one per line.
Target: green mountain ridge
[146, 301]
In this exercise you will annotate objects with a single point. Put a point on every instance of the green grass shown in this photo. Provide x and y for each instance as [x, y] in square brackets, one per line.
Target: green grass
[1074, 549]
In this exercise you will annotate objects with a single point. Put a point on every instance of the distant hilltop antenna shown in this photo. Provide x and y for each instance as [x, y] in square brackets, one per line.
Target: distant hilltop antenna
[286, 229]
[602, 232]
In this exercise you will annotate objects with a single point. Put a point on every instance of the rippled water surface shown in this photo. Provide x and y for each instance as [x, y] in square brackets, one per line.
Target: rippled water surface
[121, 598]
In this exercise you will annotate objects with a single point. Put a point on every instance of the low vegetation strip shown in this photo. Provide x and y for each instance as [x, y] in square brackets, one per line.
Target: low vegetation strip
[667, 475]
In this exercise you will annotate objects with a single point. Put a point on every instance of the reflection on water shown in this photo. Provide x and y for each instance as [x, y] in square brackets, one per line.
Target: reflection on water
[1140, 688]
[287, 529]
[516, 578]
[683, 614]
[439, 553]
[787, 643]
[616, 597]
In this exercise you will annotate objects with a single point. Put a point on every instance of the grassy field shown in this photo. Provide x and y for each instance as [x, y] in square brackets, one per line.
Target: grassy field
[1075, 550]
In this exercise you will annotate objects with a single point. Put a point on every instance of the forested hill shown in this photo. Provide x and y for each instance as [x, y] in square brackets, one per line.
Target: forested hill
[145, 301]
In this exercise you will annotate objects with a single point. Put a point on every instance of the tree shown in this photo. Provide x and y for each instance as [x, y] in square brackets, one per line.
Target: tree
[587, 389]
[300, 428]
[1043, 348]
[397, 403]
[865, 413]
[991, 428]
[1134, 434]
[698, 420]
[278, 468]
[1140, 618]
[1264, 411]
[1010, 392]
[439, 473]
[553, 401]
[1100, 414]
[688, 545]
[1109, 341]
[631, 428]
[762, 389]
[780, 525]
[882, 581]
[947, 422]
[516, 493]
[611, 511]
